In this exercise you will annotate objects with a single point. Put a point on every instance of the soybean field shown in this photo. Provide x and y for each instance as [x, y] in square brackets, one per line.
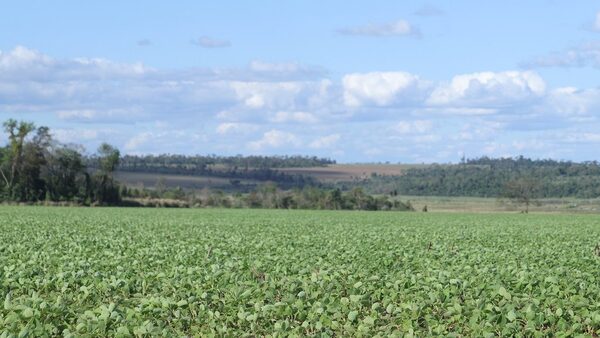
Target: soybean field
[91, 272]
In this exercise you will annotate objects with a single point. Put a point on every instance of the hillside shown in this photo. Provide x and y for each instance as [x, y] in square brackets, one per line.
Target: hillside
[482, 177]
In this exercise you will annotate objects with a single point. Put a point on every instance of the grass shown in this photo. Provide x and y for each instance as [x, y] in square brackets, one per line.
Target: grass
[481, 204]
[164, 272]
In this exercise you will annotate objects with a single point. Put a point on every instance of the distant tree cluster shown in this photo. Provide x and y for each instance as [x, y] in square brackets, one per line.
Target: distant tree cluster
[34, 167]
[487, 177]
[199, 162]
[269, 196]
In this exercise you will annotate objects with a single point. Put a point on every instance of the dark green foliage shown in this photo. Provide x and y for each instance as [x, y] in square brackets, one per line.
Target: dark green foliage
[187, 164]
[65, 175]
[486, 177]
[35, 168]
[105, 189]
[269, 196]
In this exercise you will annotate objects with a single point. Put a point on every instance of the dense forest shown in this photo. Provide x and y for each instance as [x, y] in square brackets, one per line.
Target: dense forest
[488, 177]
[34, 167]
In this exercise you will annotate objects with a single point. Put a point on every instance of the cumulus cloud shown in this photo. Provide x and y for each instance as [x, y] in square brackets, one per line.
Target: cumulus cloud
[381, 88]
[573, 103]
[489, 89]
[583, 55]
[328, 141]
[409, 127]
[138, 140]
[279, 95]
[70, 135]
[96, 90]
[208, 42]
[283, 106]
[235, 128]
[296, 116]
[157, 141]
[275, 139]
[24, 64]
[396, 28]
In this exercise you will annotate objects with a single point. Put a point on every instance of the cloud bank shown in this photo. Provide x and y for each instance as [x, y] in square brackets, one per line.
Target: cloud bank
[282, 108]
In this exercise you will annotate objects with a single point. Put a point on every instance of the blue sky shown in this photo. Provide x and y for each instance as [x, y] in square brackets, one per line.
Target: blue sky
[358, 81]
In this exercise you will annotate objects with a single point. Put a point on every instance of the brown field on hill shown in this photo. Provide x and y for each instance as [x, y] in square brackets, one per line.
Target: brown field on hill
[348, 172]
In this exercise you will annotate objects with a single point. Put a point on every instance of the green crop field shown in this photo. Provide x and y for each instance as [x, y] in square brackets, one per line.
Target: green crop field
[156, 272]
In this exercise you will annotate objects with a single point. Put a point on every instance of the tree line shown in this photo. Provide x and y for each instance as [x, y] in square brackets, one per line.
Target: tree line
[488, 177]
[201, 163]
[35, 167]
[266, 196]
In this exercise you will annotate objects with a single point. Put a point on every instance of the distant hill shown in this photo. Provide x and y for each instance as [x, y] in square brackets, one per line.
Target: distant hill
[480, 177]
[487, 177]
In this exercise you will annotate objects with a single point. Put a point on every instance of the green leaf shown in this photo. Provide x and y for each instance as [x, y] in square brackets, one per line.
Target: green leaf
[27, 313]
[7, 303]
[502, 292]
[511, 316]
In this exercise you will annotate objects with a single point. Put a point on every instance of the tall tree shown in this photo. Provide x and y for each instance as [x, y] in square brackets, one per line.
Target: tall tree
[522, 191]
[106, 189]
[65, 174]
[13, 157]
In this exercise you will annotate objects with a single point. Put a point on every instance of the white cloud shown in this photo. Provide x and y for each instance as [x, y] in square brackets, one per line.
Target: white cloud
[596, 25]
[261, 66]
[138, 141]
[428, 138]
[275, 139]
[573, 103]
[235, 128]
[93, 89]
[23, 64]
[409, 127]
[297, 116]
[208, 42]
[381, 110]
[157, 141]
[381, 88]
[489, 89]
[258, 95]
[325, 142]
[583, 55]
[396, 28]
[75, 135]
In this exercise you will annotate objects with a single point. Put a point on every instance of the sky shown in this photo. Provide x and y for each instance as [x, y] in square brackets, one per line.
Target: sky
[355, 81]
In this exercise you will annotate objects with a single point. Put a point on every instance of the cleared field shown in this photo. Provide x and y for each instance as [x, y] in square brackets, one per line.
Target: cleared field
[347, 172]
[163, 272]
[480, 204]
